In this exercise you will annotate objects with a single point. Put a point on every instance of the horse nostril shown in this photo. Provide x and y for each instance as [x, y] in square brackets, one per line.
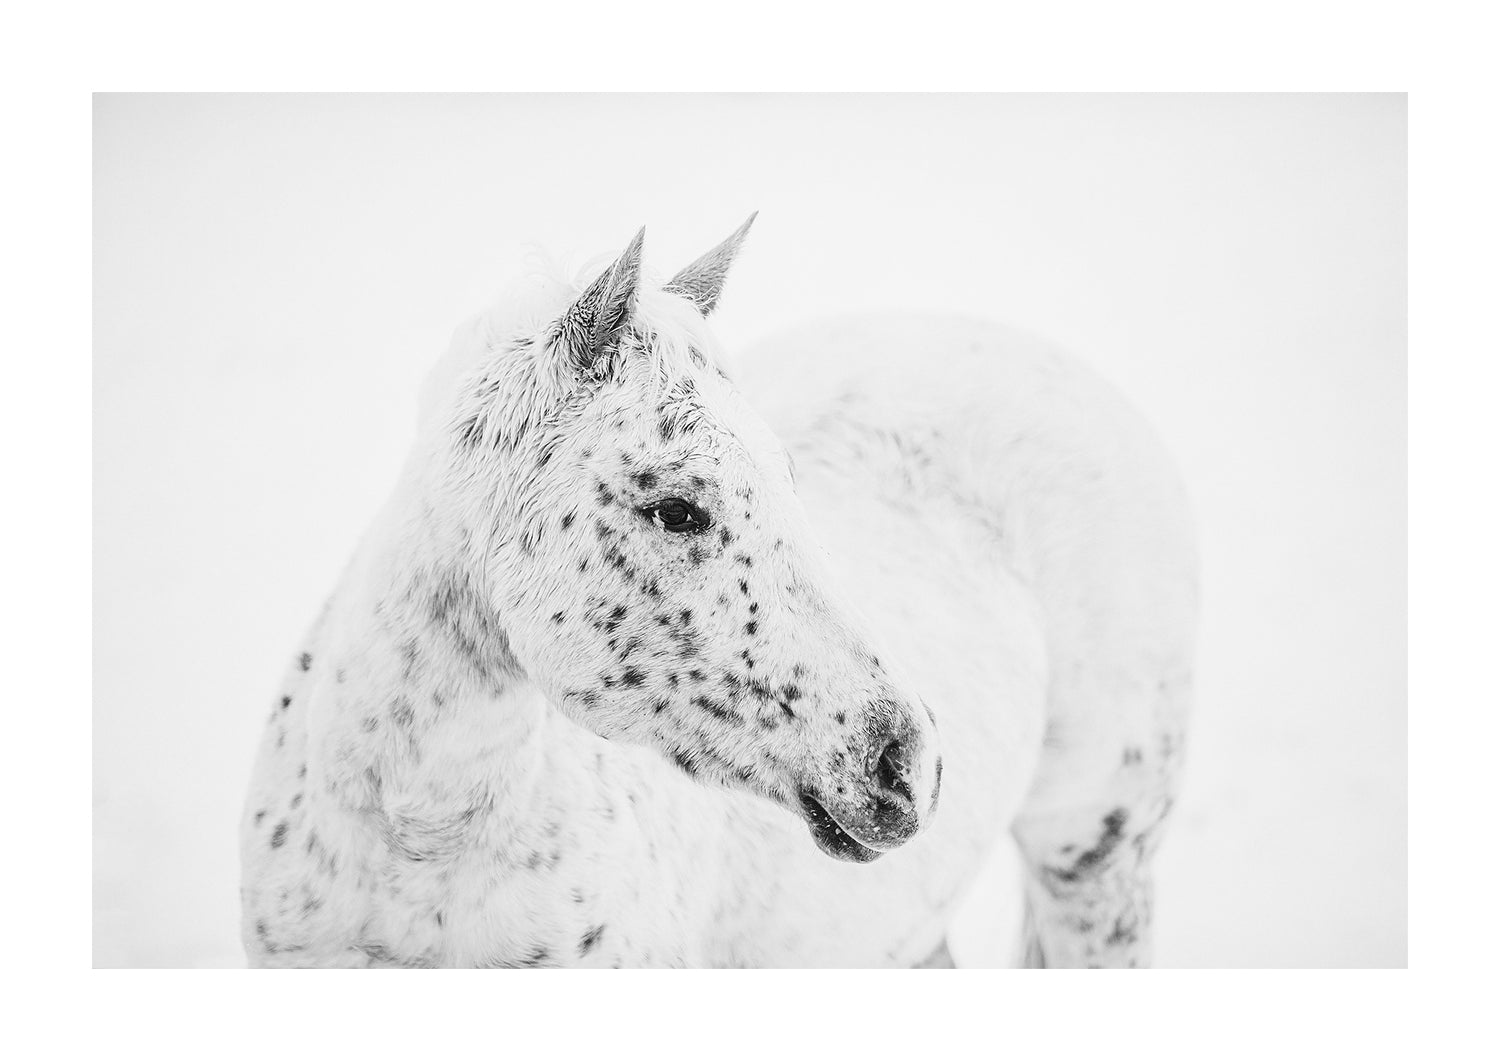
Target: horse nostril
[893, 771]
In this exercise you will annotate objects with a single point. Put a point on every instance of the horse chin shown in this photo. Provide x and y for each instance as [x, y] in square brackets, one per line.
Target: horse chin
[831, 837]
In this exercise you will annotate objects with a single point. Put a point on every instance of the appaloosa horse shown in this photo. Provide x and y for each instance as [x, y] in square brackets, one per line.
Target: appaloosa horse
[634, 624]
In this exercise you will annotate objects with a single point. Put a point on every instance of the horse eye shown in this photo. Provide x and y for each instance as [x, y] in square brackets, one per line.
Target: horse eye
[676, 515]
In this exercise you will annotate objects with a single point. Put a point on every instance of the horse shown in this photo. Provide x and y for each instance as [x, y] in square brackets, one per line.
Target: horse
[656, 658]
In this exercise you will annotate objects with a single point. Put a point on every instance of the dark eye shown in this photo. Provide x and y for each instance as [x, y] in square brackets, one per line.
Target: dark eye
[676, 515]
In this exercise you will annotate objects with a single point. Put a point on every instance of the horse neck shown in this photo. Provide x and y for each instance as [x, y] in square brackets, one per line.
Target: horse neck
[424, 715]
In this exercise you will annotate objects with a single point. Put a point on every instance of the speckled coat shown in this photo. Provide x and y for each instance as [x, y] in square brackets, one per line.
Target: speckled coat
[532, 729]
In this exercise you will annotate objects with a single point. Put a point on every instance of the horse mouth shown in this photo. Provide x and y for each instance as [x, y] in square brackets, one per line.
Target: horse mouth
[831, 837]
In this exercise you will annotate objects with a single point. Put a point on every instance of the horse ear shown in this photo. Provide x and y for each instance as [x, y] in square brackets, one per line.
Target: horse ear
[702, 281]
[591, 327]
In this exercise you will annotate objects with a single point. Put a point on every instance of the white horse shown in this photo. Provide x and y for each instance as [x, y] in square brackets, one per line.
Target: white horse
[617, 645]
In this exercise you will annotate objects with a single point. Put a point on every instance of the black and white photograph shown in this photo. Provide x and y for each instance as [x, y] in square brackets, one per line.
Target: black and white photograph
[755, 530]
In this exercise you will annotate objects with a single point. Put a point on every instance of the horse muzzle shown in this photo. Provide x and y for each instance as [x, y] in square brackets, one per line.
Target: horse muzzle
[883, 794]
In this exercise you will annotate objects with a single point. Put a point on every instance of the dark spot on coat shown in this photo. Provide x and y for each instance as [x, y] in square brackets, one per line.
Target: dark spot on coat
[1123, 932]
[457, 608]
[278, 835]
[305, 661]
[590, 939]
[286, 702]
[715, 708]
[567, 520]
[1089, 862]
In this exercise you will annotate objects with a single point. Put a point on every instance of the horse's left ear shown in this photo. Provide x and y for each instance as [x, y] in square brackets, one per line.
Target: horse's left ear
[591, 327]
[702, 281]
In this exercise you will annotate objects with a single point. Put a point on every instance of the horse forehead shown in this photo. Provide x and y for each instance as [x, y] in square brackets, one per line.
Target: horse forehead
[719, 421]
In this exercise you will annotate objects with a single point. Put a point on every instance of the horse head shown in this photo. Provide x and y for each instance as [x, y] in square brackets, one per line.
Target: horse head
[635, 528]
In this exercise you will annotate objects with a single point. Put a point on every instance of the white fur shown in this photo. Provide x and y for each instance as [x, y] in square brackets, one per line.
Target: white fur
[976, 511]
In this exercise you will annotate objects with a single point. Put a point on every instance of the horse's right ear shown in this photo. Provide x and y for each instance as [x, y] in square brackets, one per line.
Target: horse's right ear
[591, 328]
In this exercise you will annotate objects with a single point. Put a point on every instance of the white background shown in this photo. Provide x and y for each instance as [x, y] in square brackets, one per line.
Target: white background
[273, 276]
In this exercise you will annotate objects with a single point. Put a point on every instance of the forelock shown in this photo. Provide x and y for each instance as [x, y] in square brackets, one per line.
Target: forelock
[681, 343]
[677, 337]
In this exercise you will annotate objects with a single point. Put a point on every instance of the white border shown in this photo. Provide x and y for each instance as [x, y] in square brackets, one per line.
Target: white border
[1435, 51]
